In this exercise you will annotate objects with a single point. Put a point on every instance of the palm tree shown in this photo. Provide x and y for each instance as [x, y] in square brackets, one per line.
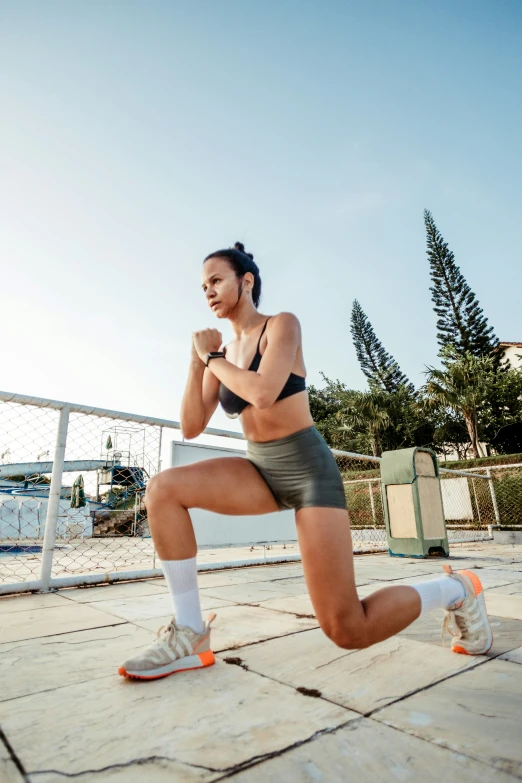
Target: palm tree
[366, 411]
[460, 386]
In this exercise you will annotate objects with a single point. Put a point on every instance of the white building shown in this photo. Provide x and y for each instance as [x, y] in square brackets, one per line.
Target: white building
[513, 352]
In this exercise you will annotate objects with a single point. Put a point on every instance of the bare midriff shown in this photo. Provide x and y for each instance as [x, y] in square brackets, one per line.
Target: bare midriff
[281, 419]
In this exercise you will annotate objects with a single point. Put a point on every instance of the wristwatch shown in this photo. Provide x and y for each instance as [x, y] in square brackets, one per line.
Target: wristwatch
[214, 355]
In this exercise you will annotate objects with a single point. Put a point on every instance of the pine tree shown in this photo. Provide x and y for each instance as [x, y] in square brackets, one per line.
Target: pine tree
[381, 369]
[460, 322]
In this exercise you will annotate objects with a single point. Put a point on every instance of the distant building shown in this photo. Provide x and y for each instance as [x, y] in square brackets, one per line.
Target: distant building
[513, 352]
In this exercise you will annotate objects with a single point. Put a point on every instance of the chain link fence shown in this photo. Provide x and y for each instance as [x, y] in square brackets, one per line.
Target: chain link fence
[493, 495]
[473, 500]
[73, 479]
[362, 487]
[102, 464]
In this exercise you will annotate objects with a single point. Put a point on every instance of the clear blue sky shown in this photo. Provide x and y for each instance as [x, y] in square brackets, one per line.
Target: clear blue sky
[136, 137]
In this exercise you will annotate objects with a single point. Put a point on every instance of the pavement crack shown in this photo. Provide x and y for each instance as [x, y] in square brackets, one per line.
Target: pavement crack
[475, 712]
[255, 760]
[338, 658]
[13, 756]
[428, 687]
[124, 765]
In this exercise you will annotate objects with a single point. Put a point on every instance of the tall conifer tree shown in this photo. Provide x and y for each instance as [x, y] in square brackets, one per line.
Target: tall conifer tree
[381, 369]
[460, 321]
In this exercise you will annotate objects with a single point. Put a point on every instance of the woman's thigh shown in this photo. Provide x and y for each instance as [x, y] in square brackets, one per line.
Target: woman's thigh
[228, 485]
[325, 542]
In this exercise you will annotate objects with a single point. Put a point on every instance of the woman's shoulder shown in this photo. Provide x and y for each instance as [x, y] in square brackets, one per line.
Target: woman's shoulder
[284, 326]
[284, 319]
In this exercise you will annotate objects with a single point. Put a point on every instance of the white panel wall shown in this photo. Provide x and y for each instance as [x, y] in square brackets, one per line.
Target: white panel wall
[456, 499]
[219, 530]
[24, 517]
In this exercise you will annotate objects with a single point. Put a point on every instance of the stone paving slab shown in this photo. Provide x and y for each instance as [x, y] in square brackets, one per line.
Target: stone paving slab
[241, 553]
[211, 720]
[20, 603]
[497, 577]
[291, 580]
[32, 623]
[147, 607]
[513, 655]
[73, 658]
[252, 592]
[236, 626]
[477, 713]
[55, 661]
[504, 605]
[366, 751]
[384, 572]
[361, 680]
[515, 588]
[113, 592]
[9, 772]
[232, 576]
[292, 604]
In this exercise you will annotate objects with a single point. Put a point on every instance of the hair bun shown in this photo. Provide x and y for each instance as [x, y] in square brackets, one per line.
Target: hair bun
[240, 246]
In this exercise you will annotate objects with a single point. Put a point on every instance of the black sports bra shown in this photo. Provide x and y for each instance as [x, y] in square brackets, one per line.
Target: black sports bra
[233, 405]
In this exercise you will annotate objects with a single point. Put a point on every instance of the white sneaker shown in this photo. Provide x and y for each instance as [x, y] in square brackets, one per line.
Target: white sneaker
[177, 648]
[467, 619]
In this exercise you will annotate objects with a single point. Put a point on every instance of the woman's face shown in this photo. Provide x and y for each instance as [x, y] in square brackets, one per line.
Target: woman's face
[220, 286]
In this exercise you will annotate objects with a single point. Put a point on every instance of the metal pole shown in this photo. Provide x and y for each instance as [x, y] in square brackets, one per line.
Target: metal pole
[372, 502]
[493, 496]
[476, 501]
[159, 448]
[51, 520]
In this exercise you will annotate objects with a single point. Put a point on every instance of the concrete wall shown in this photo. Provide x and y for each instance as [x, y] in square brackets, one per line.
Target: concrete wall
[219, 530]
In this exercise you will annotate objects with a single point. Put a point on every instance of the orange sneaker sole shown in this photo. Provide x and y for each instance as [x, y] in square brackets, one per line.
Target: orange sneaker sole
[206, 658]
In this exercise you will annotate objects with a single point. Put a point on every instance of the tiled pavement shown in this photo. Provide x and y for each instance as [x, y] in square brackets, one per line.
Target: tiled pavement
[282, 702]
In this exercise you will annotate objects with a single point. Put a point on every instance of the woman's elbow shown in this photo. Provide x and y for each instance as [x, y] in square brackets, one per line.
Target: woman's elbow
[190, 434]
[191, 431]
[264, 400]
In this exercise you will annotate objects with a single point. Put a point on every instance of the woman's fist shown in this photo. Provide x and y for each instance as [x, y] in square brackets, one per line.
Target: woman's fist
[206, 341]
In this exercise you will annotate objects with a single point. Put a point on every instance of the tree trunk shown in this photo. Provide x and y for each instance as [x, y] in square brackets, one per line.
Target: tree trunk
[472, 432]
[375, 445]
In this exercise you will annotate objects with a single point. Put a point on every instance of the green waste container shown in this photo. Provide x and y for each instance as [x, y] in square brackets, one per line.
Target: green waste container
[412, 503]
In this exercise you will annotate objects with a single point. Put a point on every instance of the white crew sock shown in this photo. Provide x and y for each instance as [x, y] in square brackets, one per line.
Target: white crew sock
[439, 593]
[182, 579]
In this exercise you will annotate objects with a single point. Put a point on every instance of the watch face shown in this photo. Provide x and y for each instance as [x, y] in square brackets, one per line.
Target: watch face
[214, 355]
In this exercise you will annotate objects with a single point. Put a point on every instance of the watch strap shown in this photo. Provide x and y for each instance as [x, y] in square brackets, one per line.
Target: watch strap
[214, 355]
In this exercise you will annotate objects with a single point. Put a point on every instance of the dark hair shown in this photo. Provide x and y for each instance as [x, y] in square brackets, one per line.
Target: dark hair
[241, 262]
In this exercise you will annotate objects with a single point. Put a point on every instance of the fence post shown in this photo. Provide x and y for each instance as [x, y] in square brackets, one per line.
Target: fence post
[493, 496]
[372, 503]
[476, 500]
[159, 447]
[51, 520]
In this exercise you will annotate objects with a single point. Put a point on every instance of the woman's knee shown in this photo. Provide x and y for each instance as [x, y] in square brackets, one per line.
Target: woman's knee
[163, 486]
[346, 630]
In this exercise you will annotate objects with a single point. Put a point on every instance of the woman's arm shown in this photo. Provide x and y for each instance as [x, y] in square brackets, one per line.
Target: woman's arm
[262, 388]
[200, 398]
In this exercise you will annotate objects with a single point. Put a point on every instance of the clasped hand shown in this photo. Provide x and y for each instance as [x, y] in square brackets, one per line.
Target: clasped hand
[206, 341]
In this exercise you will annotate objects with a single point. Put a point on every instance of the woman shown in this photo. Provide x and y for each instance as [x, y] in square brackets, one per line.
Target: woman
[260, 376]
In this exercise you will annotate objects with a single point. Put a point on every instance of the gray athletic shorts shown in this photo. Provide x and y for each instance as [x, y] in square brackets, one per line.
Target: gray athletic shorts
[300, 470]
